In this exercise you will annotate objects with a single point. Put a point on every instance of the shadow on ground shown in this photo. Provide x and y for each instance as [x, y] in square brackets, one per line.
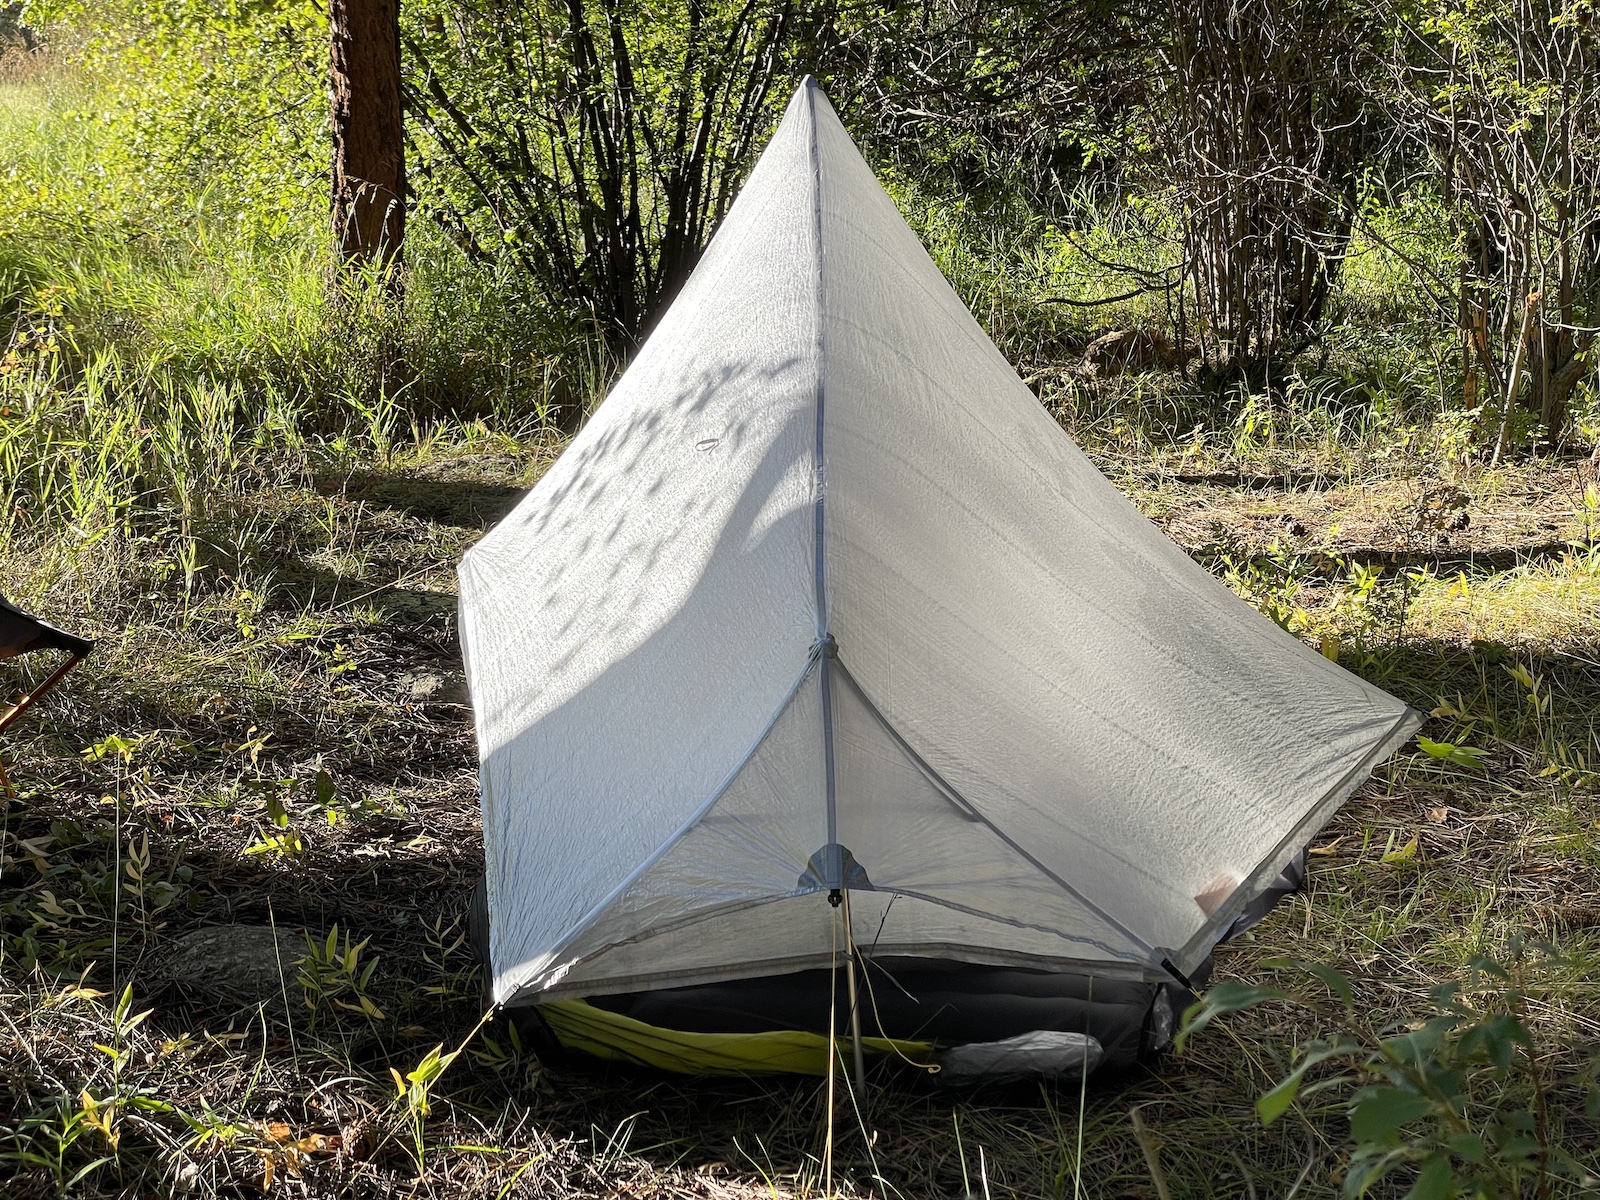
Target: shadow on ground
[470, 503]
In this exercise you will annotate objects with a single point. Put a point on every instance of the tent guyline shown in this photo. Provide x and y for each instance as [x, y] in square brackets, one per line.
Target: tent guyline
[821, 599]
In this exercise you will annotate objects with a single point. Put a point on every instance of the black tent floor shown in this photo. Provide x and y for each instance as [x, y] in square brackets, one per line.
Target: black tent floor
[939, 1001]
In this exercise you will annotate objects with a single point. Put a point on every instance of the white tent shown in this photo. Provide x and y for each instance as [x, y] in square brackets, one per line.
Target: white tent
[822, 598]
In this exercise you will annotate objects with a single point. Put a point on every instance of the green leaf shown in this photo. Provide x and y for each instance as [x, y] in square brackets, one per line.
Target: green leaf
[1446, 1082]
[1487, 966]
[1520, 1146]
[1368, 1165]
[1333, 981]
[1468, 757]
[1417, 1045]
[1434, 1181]
[1231, 995]
[1276, 1102]
[428, 1069]
[1468, 1147]
[1496, 1040]
[1404, 854]
[1521, 674]
[1377, 1112]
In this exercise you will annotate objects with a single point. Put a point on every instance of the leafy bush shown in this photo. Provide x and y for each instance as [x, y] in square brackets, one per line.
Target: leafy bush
[593, 147]
[206, 110]
[1465, 1101]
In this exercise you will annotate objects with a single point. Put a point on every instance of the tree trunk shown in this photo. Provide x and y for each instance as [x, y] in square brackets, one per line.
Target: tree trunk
[369, 164]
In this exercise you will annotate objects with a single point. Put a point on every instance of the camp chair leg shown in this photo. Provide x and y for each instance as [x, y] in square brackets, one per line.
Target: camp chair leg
[21, 706]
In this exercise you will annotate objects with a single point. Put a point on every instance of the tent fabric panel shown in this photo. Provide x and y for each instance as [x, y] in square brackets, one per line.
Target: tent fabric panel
[749, 846]
[913, 837]
[1052, 654]
[1204, 940]
[635, 621]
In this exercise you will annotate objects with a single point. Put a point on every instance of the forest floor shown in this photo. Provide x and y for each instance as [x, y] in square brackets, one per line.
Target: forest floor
[280, 743]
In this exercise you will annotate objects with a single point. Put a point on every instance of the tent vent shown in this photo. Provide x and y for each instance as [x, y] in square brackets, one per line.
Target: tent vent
[834, 867]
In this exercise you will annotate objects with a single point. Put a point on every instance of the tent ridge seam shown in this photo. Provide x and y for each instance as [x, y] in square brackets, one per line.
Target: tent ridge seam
[820, 483]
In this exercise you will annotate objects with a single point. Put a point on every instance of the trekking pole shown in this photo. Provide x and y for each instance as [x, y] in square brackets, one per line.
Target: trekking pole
[855, 1007]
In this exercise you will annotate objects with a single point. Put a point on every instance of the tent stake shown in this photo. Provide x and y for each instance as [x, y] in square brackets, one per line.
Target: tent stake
[855, 1008]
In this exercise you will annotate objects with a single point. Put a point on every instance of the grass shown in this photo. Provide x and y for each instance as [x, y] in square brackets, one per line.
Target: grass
[254, 500]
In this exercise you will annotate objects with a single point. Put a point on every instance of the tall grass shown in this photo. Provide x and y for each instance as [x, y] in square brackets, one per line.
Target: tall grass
[155, 365]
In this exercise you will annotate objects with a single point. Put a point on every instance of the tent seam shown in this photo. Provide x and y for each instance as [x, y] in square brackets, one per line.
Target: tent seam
[731, 906]
[820, 566]
[1018, 923]
[691, 976]
[820, 482]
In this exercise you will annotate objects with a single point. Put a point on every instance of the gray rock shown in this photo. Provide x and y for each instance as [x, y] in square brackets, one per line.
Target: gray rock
[433, 687]
[242, 963]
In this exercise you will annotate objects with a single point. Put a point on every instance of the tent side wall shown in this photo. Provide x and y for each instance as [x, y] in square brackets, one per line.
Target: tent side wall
[1069, 670]
[638, 618]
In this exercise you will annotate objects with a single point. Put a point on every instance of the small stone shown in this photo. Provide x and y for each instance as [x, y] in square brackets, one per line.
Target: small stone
[433, 687]
[245, 963]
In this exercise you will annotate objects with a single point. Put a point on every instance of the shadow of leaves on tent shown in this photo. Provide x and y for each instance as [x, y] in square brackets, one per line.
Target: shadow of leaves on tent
[669, 614]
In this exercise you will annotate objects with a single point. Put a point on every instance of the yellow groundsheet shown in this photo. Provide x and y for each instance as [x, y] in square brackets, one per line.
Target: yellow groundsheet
[582, 1026]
